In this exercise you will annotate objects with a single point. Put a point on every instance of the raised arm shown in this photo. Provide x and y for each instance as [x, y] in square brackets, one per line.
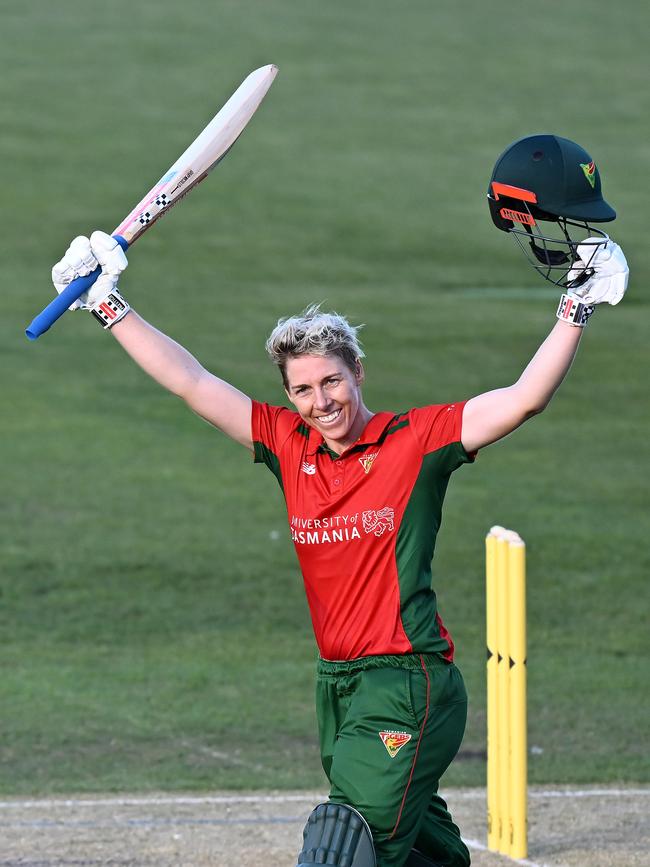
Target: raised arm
[493, 415]
[178, 371]
[158, 355]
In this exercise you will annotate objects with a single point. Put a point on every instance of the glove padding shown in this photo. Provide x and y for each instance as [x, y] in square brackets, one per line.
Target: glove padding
[610, 272]
[81, 258]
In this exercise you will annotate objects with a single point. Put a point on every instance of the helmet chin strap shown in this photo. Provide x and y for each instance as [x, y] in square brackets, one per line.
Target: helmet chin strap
[551, 258]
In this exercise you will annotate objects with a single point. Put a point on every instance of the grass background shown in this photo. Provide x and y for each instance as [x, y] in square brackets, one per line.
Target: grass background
[154, 633]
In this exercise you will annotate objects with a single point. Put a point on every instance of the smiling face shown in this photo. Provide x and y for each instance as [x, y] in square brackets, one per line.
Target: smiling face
[327, 394]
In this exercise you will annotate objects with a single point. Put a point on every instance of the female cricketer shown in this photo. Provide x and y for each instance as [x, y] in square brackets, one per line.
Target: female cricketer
[364, 493]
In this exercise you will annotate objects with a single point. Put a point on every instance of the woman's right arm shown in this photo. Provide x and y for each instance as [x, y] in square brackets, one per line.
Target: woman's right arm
[178, 371]
[158, 355]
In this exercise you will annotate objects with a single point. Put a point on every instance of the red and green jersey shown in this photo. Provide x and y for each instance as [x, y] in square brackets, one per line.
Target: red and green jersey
[364, 524]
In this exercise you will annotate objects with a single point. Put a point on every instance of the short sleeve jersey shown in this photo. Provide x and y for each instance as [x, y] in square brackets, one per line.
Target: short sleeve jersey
[364, 524]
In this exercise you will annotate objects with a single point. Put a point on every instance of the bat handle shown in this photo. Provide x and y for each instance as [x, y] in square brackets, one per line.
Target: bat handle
[57, 307]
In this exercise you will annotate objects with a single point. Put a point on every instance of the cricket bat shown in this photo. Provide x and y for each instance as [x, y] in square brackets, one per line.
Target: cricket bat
[205, 152]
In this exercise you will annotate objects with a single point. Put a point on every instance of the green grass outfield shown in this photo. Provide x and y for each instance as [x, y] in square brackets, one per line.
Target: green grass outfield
[154, 633]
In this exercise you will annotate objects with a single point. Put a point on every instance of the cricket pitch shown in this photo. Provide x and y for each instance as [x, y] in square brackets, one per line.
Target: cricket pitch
[568, 827]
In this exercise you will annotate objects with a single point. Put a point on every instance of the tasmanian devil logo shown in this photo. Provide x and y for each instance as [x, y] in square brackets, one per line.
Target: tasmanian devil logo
[590, 172]
[379, 522]
[366, 462]
[394, 741]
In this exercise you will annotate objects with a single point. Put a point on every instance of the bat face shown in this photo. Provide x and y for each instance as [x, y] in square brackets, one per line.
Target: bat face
[189, 169]
[201, 156]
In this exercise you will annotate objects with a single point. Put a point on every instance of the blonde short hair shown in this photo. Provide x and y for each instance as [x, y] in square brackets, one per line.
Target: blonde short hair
[313, 332]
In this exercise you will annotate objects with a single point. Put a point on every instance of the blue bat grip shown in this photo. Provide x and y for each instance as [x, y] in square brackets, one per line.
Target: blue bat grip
[60, 304]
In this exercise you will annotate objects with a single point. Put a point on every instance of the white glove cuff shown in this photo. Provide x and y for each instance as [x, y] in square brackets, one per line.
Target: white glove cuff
[573, 311]
[110, 309]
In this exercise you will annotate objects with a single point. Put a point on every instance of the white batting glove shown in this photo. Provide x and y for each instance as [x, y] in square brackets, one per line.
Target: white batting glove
[81, 258]
[610, 273]
[79, 261]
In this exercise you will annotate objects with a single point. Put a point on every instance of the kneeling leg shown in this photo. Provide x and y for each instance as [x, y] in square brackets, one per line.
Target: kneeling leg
[337, 835]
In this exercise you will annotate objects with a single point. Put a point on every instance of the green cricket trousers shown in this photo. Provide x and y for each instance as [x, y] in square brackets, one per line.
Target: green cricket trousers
[389, 727]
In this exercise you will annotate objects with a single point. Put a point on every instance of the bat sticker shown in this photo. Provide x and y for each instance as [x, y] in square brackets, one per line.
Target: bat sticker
[182, 181]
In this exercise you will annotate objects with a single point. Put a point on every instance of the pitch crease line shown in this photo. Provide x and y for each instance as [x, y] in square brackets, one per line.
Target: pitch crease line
[554, 793]
[307, 797]
[480, 847]
[589, 793]
[162, 801]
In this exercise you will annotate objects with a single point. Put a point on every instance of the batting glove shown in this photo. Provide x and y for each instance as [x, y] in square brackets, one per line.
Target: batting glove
[82, 257]
[606, 272]
[608, 269]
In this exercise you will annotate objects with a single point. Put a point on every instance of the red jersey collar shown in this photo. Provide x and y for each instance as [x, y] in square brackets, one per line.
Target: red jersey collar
[370, 435]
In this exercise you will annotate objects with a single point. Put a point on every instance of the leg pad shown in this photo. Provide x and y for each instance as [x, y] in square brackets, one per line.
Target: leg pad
[338, 836]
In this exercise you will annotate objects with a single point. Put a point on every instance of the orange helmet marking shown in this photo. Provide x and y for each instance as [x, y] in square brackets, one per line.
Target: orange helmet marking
[513, 192]
[517, 216]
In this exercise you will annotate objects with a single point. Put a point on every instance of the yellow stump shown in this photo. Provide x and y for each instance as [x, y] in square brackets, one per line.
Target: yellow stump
[517, 699]
[506, 699]
[492, 691]
[503, 706]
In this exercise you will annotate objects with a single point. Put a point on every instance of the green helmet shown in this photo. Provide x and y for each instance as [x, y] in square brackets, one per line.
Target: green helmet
[549, 178]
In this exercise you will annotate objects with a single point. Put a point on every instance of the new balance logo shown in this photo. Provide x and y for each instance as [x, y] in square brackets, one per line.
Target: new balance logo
[308, 468]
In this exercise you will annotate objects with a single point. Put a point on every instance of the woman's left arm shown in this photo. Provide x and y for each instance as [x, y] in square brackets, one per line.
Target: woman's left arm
[491, 416]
